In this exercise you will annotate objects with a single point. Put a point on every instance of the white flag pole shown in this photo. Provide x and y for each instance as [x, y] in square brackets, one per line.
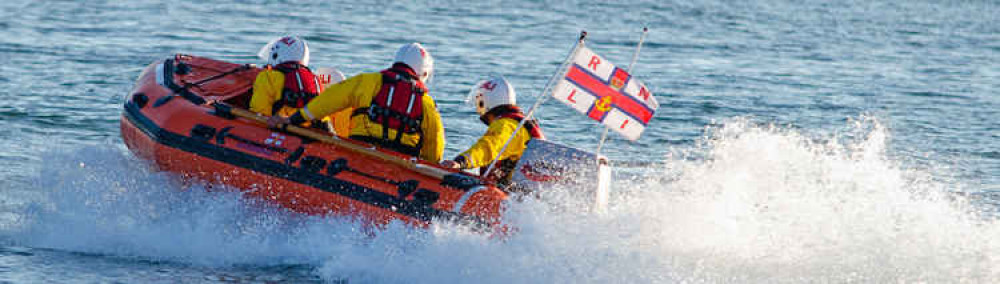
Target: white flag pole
[635, 56]
[542, 98]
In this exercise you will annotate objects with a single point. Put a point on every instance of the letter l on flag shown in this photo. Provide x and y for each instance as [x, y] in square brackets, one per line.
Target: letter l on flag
[595, 87]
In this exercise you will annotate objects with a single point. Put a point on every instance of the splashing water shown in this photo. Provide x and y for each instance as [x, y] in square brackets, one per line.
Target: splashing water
[108, 203]
[769, 205]
[749, 204]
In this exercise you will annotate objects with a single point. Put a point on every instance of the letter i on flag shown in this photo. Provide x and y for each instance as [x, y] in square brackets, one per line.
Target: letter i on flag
[595, 87]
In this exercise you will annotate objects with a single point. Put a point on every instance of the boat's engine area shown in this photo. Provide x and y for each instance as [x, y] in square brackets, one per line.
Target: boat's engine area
[548, 165]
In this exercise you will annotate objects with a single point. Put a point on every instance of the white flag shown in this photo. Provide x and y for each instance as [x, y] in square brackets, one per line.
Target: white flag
[595, 87]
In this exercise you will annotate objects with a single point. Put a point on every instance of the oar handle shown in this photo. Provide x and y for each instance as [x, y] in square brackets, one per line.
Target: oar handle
[411, 164]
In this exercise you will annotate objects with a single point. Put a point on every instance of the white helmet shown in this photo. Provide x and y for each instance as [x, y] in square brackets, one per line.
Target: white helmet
[415, 56]
[285, 49]
[488, 94]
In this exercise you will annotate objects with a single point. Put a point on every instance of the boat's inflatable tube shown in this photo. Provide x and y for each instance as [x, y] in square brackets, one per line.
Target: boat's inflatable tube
[179, 116]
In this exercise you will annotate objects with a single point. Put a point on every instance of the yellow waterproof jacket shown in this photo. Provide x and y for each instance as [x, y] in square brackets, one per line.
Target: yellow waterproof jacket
[358, 92]
[267, 90]
[481, 154]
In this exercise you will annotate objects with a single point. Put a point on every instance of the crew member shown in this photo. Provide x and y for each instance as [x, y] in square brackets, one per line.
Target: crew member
[286, 83]
[392, 108]
[495, 102]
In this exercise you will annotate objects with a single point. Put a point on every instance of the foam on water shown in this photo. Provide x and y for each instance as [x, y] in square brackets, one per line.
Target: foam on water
[101, 200]
[751, 203]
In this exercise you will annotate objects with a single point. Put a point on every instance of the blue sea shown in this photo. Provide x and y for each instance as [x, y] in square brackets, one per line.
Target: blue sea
[797, 141]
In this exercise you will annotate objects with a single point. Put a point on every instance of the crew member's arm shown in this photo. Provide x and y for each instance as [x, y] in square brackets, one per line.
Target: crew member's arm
[346, 94]
[483, 152]
[432, 131]
[266, 91]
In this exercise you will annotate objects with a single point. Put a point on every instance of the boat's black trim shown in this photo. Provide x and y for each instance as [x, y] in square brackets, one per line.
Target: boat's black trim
[419, 208]
[162, 100]
[202, 132]
[294, 157]
[312, 164]
[223, 111]
[403, 188]
[460, 181]
[168, 79]
[140, 99]
[224, 133]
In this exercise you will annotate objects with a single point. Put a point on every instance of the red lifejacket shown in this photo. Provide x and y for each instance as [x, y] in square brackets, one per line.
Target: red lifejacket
[398, 105]
[301, 86]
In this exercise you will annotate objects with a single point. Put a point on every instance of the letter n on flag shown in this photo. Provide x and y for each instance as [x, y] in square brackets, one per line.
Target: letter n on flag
[606, 93]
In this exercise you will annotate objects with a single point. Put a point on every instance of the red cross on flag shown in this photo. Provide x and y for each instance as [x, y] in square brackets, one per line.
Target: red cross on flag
[595, 87]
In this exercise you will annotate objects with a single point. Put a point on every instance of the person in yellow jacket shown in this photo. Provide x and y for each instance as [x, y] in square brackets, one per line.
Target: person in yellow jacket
[287, 84]
[392, 107]
[495, 102]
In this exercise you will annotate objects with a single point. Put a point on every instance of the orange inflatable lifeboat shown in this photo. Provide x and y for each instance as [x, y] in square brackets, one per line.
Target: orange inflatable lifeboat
[187, 115]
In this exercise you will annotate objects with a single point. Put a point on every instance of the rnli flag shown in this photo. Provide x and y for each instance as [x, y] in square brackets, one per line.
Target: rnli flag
[595, 87]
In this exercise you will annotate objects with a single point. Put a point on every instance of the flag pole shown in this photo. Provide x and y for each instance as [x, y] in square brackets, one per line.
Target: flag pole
[635, 56]
[541, 98]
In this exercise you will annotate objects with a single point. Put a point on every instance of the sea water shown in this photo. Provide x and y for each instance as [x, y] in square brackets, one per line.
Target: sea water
[796, 141]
